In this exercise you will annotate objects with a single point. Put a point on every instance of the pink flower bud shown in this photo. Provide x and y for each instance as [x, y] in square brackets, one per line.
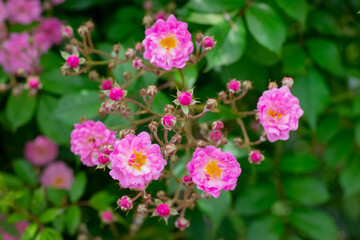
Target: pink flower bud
[182, 223]
[287, 81]
[255, 157]
[107, 217]
[139, 47]
[103, 159]
[170, 149]
[187, 180]
[160, 15]
[67, 32]
[168, 121]
[72, 61]
[208, 42]
[215, 136]
[153, 126]
[217, 125]
[116, 94]
[185, 98]
[138, 64]
[33, 82]
[125, 203]
[234, 86]
[106, 85]
[272, 85]
[130, 53]
[108, 149]
[163, 210]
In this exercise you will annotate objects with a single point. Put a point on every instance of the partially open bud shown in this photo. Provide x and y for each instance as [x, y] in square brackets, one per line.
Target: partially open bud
[67, 31]
[139, 47]
[125, 203]
[33, 82]
[234, 86]
[107, 217]
[138, 64]
[287, 81]
[152, 90]
[247, 85]
[181, 223]
[187, 181]
[170, 149]
[168, 121]
[176, 139]
[272, 85]
[169, 108]
[256, 157]
[116, 94]
[209, 43]
[130, 53]
[217, 125]
[102, 159]
[222, 95]
[211, 104]
[215, 136]
[153, 126]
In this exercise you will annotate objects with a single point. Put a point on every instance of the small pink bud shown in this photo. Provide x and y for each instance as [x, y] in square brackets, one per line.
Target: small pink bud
[234, 86]
[106, 85]
[67, 32]
[187, 180]
[272, 85]
[116, 94]
[168, 121]
[33, 82]
[287, 81]
[185, 98]
[255, 157]
[153, 126]
[215, 136]
[108, 149]
[211, 104]
[125, 203]
[138, 64]
[107, 217]
[208, 42]
[152, 90]
[103, 159]
[130, 53]
[217, 125]
[139, 47]
[163, 210]
[160, 15]
[72, 61]
[182, 223]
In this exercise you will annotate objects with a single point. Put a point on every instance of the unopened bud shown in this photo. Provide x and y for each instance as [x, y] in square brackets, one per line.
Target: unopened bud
[83, 31]
[117, 48]
[209, 43]
[142, 208]
[153, 126]
[199, 37]
[234, 86]
[224, 141]
[90, 25]
[217, 125]
[222, 95]
[130, 53]
[147, 197]
[170, 149]
[142, 92]
[152, 90]
[94, 75]
[238, 142]
[176, 139]
[124, 132]
[255, 157]
[147, 21]
[139, 47]
[161, 194]
[272, 85]
[201, 143]
[287, 81]
[211, 104]
[247, 85]
[169, 108]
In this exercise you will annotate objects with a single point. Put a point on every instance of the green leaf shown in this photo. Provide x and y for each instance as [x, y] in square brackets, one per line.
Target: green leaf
[339, 148]
[215, 5]
[30, 232]
[11, 180]
[49, 234]
[299, 163]
[294, 59]
[38, 203]
[230, 43]
[255, 200]
[329, 126]
[269, 228]
[190, 76]
[326, 54]
[16, 217]
[307, 191]
[56, 196]
[73, 219]
[216, 208]
[313, 93]
[357, 133]
[266, 26]
[49, 126]
[296, 9]
[25, 171]
[50, 215]
[160, 100]
[350, 177]
[78, 187]
[205, 18]
[101, 200]
[74, 106]
[20, 109]
[260, 54]
[317, 225]
[323, 22]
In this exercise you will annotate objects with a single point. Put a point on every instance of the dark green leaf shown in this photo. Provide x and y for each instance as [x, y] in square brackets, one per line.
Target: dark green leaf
[160, 100]
[102, 200]
[296, 9]
[73, 219]
[20, 109]
[266, 26]
[299, 163]
[313, 93]
[339, 148]
[50, 215]
[328, 128]
[49, 234]
[357, 133]
[215, 5]
[230, 44]
[308, 191]
[11, 180]
[260, 54]
[350, 177]
[74, 106]
[25, 171]
[294, 59]
[317, 225]
[38, 203]
[78, 187]
[269, 228]
[56, 196]
[324, 22]
[216, 208]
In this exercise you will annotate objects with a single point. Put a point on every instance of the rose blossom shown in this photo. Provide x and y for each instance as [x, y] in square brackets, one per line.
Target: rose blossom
[212, 170]
[40, 151]
[279, 113]
[135, 161]
[168, 44]
[57, 175]
[23, 11]
[87, 140]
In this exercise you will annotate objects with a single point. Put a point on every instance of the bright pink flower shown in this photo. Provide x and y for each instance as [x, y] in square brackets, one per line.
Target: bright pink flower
[40, 151]
[215, 136]
[125, 203]
[185, 98]
[17, 54]
[135, 161]
[168, 121]
[73, 61]
[87, 140]
[57, 175]
[23, 11]
[217, 125]
[212, 170]
[107, 217]
[234, 86]
[116, 94]
[106, 85]
[20, 226]
[3, 12]
[163, 210]
[168, 44]
[47, 34]
[279, 113]
[256, 157]
[208, 42]
[33, 82]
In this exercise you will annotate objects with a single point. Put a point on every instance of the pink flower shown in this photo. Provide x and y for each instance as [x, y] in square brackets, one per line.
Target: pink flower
[40, 151]
[212, 170]
[47, 34]
[279, 113]
[20, 226]
[87, 140]
[106, 85]
[168, 121]
[234, 86]
[33, 82]
[209, 43]
[3, 12]
[107, 217]
[125, 203]
[23, 11]
[256, 157]
[73, 60]
[116, 94]
[57, 175]
[17, 54]
[168, 44]
[135, 161]
[163, 210]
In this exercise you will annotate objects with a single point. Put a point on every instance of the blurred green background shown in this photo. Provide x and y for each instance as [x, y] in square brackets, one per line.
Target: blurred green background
[308, 188]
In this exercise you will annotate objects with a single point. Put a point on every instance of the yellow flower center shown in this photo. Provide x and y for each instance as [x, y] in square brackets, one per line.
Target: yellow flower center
[168, 42]
[213, 170]
[138, 161]
[58, 182]
[275, 114]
